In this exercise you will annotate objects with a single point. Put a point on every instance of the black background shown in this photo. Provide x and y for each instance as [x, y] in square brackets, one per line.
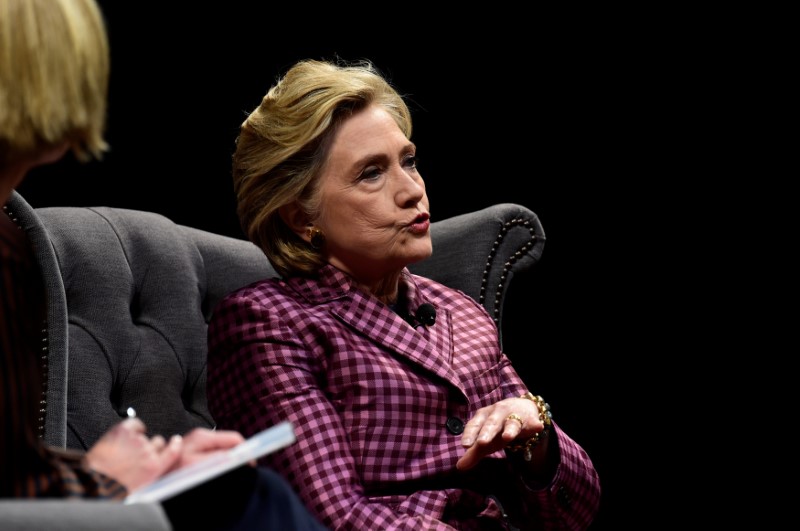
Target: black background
[567, 114]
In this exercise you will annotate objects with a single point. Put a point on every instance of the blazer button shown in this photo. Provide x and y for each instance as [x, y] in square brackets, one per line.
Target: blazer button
[455, 425]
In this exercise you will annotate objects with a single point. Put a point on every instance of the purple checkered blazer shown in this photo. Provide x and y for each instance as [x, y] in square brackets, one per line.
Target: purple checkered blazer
[377, 406]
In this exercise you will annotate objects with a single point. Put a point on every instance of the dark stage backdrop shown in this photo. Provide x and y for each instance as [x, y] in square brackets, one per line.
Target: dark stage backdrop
[542, 111]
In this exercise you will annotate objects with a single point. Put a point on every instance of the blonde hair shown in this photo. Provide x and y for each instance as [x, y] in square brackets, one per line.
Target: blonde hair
[54, 68]
[284, 143]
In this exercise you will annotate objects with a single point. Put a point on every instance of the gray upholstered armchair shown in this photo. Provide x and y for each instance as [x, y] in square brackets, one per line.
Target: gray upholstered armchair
[129, 297]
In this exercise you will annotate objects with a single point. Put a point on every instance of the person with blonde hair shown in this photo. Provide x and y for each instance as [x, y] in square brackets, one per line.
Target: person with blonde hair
[54, 69]
[408, 414]
[54, 72]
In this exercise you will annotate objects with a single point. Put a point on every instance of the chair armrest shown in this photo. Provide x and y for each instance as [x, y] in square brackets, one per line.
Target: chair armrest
[83, 515]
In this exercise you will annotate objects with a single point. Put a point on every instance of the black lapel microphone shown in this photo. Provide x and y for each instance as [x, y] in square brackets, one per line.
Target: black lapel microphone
[426, 314]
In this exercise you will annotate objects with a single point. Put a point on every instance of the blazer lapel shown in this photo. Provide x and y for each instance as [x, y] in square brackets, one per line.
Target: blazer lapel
[428, 346]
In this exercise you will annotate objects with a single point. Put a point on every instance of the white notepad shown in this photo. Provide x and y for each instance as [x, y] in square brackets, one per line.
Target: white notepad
[260, 444]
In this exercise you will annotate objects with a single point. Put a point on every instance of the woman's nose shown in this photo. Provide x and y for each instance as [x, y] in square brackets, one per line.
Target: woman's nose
[411, 188]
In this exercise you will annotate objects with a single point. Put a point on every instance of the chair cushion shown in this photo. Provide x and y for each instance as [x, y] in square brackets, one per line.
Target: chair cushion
[139, 290]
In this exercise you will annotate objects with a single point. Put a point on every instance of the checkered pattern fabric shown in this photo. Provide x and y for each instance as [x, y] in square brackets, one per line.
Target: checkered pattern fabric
[370, 397]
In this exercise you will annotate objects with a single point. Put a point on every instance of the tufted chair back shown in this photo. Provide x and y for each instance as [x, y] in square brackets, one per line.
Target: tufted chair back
[130, 294]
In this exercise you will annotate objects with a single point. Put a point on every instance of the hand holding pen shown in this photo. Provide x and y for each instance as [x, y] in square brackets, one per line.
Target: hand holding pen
[127, 454]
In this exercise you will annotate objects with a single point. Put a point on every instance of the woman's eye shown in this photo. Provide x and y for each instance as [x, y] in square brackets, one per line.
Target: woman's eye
[372, 172]
[410, 161]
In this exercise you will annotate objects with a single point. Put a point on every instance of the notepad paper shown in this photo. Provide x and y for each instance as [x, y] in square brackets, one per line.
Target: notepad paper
[260, 444]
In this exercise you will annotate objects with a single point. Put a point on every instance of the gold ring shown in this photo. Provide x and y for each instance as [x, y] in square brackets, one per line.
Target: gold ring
[516, 417]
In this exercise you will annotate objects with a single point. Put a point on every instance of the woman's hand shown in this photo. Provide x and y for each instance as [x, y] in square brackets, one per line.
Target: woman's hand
[491, 429]
[200, 443]
[128, 455]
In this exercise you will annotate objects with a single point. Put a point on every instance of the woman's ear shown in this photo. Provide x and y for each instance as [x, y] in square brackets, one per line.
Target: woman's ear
[296, 219]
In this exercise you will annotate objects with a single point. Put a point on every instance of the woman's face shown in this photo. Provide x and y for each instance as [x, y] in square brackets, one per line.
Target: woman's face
[374, 209]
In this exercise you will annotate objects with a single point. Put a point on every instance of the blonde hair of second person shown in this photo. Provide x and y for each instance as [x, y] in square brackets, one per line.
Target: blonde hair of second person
[53, 83]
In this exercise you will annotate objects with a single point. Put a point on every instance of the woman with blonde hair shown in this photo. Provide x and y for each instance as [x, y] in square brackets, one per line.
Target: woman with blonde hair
[408, 414]
[54, 71]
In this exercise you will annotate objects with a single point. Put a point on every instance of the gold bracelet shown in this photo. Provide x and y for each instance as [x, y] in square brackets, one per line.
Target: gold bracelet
[545, 417]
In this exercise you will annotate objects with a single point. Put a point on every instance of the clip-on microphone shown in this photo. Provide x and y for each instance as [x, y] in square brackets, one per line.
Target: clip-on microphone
[426, 314]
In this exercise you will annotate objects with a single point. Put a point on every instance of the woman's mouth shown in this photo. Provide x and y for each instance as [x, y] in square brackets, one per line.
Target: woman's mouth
[420, 225]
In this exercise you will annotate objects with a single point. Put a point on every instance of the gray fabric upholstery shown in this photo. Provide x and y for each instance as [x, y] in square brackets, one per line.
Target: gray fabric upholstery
[140, 292]
[54, 345]
[57, 515]
[480, 252]
[130, 294]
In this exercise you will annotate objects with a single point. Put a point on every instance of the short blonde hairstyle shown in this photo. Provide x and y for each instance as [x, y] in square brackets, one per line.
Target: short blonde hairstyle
[284, 143]
[54, 69]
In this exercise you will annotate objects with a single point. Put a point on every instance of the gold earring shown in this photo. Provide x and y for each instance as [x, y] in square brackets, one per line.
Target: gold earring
[316, 237]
